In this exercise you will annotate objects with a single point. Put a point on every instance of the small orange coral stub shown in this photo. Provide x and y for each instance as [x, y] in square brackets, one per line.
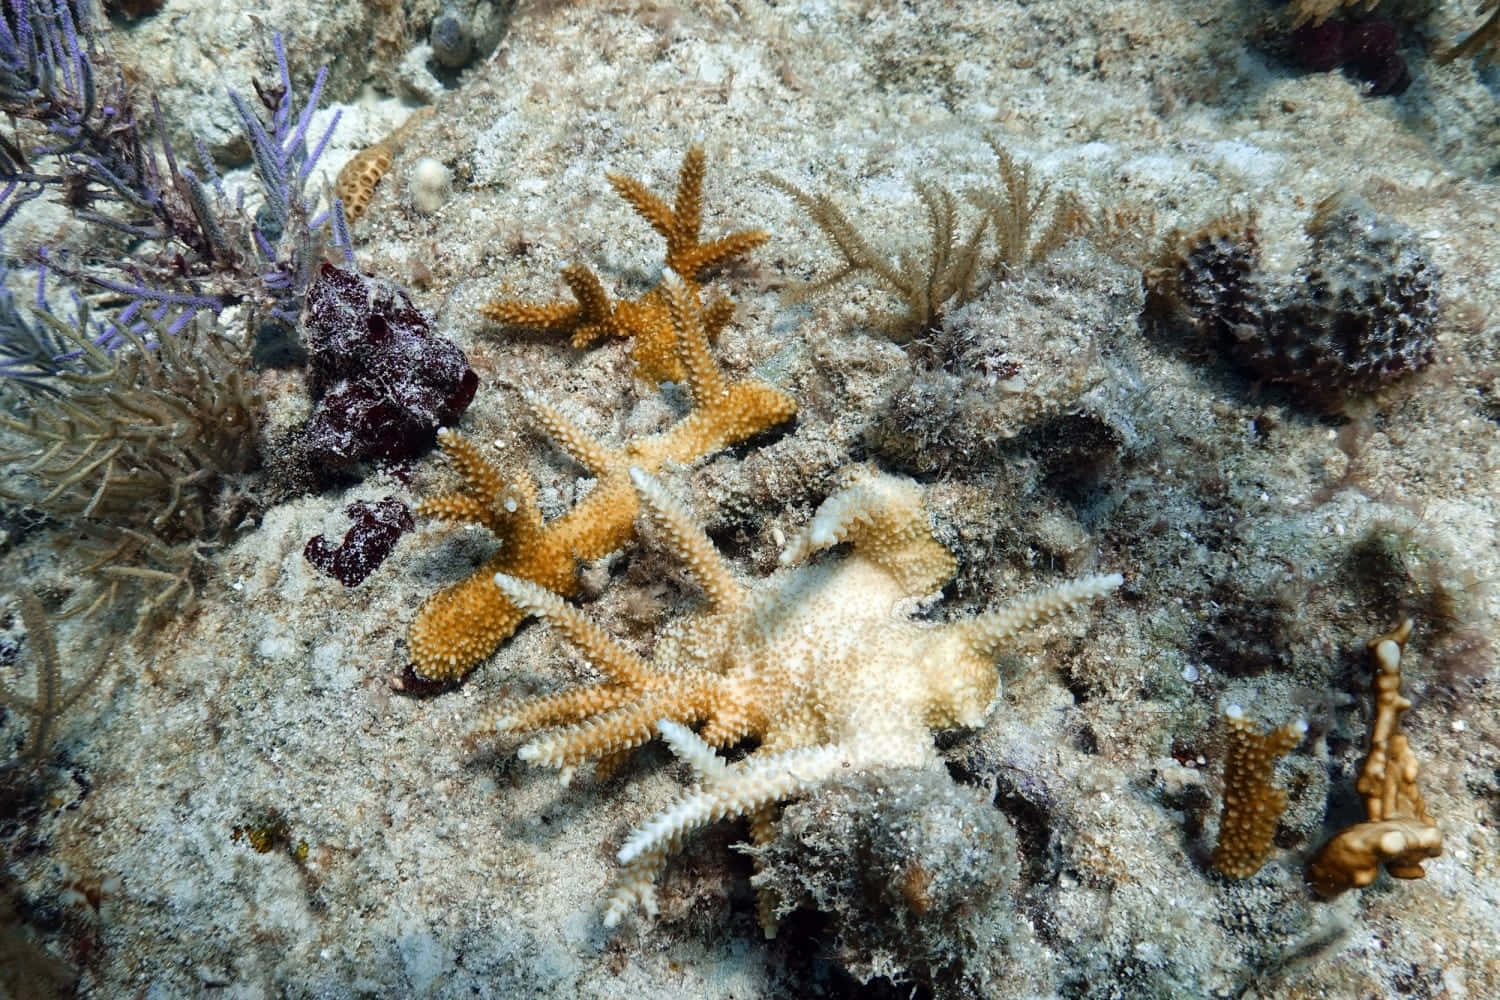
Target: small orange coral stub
[1253, 803]
[1399, 832]
[457, 628]
[645, 320]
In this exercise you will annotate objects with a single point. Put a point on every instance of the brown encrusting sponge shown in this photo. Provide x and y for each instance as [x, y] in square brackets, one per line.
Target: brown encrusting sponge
[1253, 802]
[1399, 832]
[1359, 312]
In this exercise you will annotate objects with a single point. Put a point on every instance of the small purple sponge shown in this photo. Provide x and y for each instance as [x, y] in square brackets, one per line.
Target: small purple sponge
[1367, 50]
[376, 529]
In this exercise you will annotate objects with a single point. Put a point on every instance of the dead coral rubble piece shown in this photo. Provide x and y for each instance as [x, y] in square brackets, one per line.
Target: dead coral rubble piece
[817, 664]
[1253, 802]
[1399, 832]
[457, 628]
[645, 321]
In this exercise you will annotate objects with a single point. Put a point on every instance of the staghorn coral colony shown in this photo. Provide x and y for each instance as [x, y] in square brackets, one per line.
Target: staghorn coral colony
[902, 484]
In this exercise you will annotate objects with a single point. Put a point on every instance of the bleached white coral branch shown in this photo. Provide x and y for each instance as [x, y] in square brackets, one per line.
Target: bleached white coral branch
[991, 630]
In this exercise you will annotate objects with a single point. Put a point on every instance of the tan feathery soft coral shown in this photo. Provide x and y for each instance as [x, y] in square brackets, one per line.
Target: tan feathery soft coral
[819, 664]
[645, 321]
[460, 626]
[1399, 832]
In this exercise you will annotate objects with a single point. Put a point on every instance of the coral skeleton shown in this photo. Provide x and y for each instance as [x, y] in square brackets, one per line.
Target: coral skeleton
[459, 627]
[646, 321]
[1253, 802]
[818, 664]
[1398, 832]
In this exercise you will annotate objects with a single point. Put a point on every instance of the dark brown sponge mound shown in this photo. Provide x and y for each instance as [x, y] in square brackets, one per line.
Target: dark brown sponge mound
[1359, 312]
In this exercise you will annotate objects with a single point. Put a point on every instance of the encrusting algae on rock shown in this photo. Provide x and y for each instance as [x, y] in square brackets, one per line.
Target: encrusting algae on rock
[817, 664]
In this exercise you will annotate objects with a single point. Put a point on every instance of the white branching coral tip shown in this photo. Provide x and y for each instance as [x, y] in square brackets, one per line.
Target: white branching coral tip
[707, 765]
[991, 630]
[757, 782]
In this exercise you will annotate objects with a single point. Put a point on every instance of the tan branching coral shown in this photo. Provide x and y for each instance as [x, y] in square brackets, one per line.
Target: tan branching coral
[1483, 41]
[1398, 832]
[457, 628]
[1318, 11]
[1253, 802]
[645, 321]
[817, 664]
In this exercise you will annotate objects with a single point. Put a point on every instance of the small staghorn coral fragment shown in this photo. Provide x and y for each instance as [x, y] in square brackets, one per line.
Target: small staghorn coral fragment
[1253, 802]
[645, 321]
[457, 628]
[1398, 832]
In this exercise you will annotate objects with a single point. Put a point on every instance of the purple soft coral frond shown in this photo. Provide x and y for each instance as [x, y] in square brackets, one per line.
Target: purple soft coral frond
[74, 62]
[267, 156]
[139, 290]
[284, 106]
[299, 134]
[266, 250]
[8, 41]
[312, 158]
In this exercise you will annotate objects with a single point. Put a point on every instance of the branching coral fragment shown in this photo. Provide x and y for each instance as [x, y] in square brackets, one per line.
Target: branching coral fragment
[816, 664]
[459, 627]
[645, 321]
[1398, 832]
[1253, 802]
[1484, 42]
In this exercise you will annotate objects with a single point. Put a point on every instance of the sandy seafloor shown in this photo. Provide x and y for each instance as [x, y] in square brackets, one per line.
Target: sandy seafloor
[1263, 542]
